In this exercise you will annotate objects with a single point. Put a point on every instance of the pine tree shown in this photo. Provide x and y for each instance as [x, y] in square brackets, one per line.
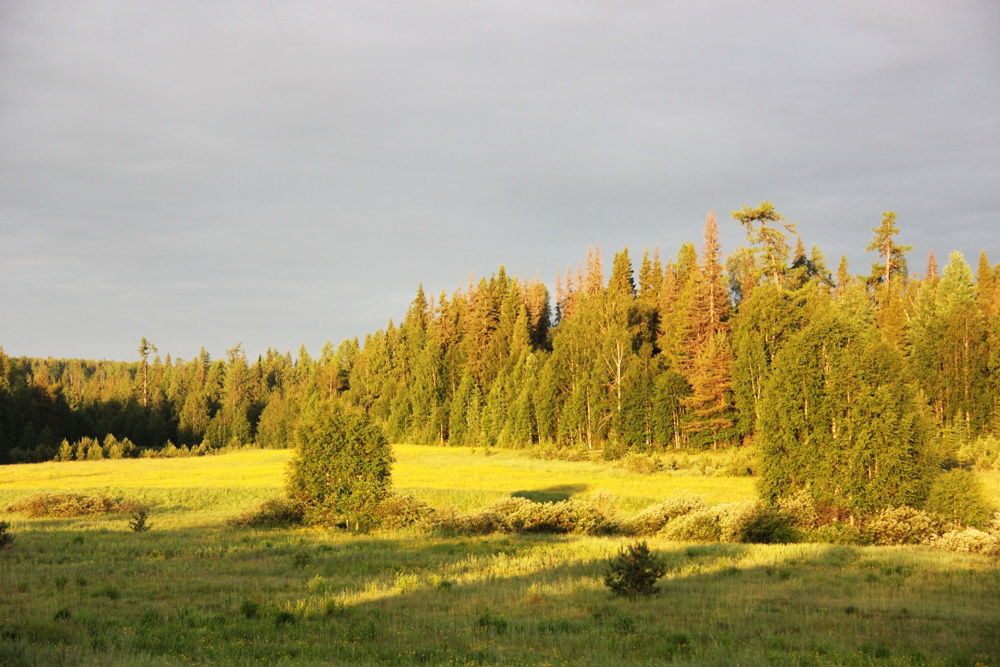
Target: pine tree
[773, 244]
[892, 260]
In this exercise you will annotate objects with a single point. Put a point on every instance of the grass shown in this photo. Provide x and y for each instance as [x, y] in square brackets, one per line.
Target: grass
[89, 591]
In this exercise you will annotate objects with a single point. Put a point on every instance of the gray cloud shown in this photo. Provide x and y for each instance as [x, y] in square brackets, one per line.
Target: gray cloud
[286, 173]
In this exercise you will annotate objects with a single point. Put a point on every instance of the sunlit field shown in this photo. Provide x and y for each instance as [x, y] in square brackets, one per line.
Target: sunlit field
[193, 590]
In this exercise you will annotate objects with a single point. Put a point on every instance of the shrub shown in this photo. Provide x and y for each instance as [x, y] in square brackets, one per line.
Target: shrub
[741, 463]
[757, 522]
[800, 509]
[634, 571]
[644, 464]
[343, 467]
[700, 526]
[249, 608]
[273, 513]
[449, 523]
[958, 495]
[969, 540]
[652, 519]
[903, 525]
[6, 537]
[835, 533]
[399, 510]
[492, 621]
[139, 523]
[71, 504]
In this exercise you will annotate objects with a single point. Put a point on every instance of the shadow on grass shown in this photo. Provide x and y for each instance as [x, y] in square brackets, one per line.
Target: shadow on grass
[552, 493]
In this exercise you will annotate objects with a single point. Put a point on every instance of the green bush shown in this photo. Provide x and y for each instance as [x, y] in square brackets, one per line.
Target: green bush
[835, 533]
[958, 496]
[698, 526]
[343, 465]
[761, 524]
[448, 523]
[741, 463]
[644, 464]
[139, 522]
[399, 510]
[970, 540]
[903, 525]
[800, 509]
[652, 519]
[273, 513]
[634, 571]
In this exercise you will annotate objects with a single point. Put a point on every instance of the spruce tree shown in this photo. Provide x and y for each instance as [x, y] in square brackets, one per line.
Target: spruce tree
[839, 420]
[341, 471]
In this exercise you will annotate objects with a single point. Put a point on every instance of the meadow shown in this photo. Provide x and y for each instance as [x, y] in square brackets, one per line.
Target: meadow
[193, 589]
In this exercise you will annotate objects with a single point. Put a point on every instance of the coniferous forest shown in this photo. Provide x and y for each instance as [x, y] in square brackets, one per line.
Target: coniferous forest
[865, 381]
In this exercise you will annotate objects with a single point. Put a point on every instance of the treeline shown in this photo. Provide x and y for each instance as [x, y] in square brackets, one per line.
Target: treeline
[684, 352]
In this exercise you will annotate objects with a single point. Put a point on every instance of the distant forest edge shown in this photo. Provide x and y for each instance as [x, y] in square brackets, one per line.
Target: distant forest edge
[694, 351]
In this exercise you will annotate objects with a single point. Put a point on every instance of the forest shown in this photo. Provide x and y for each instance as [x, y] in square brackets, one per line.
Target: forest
[890, 369]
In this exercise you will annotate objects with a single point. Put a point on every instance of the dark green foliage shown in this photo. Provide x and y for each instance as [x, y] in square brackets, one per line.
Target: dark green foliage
[634, 571]
[341, 472]
[958, 496]
[493, 622]
[139, 521]
[838, 419]
[249, 608]
[768, 526]
[6, 537]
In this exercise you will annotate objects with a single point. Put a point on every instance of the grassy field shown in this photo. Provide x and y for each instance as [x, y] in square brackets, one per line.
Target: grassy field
[88, 591]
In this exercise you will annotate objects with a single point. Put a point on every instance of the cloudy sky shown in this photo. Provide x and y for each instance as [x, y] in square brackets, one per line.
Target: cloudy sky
[286, 173]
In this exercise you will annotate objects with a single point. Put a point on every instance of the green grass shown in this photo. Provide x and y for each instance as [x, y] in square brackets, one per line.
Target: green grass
[89, 591]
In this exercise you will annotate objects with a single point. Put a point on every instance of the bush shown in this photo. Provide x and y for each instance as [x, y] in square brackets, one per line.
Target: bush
[644, 464]
[634, 571]
[448, 523]
[514, 514]
[800, 509]
[342, 471]
[958, 496]
[758, 523]
[71, 504]
[741, 463]
[751, 521]
[835, 533]
[969, 540]
[273, 513]
[652, 519]
[698, 526]
[903, 525]
[139, 523]
[400, 510]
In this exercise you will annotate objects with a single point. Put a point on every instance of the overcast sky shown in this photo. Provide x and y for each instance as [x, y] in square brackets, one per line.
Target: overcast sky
[286, 173]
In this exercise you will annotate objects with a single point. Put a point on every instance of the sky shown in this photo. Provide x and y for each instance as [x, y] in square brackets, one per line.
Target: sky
[280, 174]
